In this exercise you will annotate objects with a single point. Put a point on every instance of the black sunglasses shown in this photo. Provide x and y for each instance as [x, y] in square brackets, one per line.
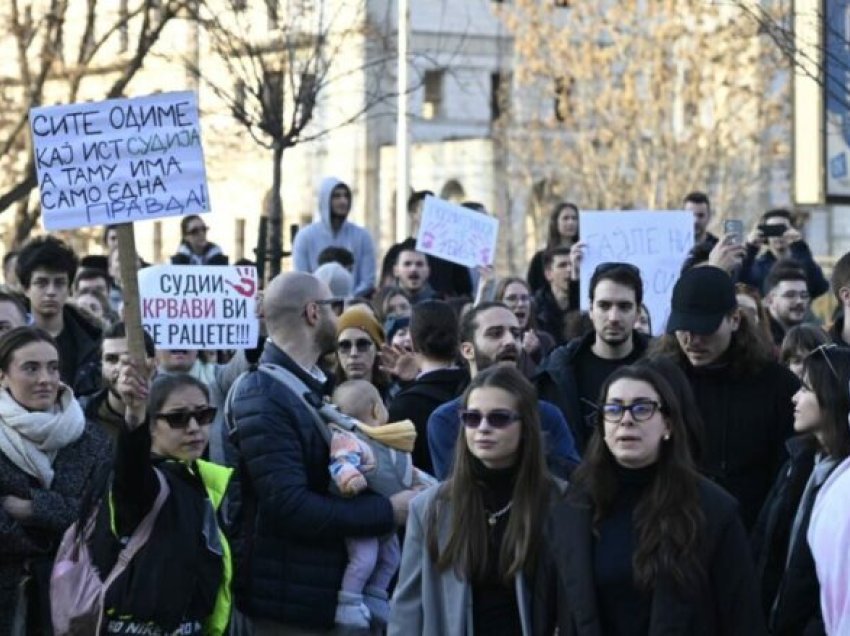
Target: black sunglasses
[336, 304]
[361, 344]
[199, 229]
[497, 418]
[180, 419]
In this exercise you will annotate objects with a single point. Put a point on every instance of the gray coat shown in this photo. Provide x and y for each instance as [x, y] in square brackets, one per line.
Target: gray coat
[429, 602]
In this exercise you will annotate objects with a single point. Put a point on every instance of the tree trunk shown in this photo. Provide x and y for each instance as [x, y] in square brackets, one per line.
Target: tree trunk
[276, 214]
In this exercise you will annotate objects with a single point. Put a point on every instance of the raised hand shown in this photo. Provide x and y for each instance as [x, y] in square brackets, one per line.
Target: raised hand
[133, 386]
[398, 362]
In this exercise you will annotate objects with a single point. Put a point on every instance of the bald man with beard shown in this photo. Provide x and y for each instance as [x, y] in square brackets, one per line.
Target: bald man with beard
[290, 531]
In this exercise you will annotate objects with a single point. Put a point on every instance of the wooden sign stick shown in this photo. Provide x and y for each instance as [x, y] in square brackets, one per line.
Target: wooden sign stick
[129, 262]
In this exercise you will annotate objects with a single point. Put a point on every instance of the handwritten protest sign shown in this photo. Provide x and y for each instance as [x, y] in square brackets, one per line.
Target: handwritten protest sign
[200, 307]
[457, 234]
[119, 161]
[655, 242]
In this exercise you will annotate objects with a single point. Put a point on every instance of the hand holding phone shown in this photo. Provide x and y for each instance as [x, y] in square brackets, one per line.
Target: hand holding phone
[735, 229]
[773, 229]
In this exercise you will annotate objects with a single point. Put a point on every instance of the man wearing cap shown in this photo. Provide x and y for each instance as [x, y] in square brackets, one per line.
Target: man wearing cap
[743, 396]
[490, 335]
[572, 375]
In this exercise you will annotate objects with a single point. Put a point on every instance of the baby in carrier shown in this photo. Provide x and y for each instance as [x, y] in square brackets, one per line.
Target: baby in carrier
[369, 453]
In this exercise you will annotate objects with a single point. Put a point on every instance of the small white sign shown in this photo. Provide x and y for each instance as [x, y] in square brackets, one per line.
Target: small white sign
[457, 234]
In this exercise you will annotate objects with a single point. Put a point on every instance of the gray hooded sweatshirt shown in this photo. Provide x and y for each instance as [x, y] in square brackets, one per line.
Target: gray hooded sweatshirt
[311, 240]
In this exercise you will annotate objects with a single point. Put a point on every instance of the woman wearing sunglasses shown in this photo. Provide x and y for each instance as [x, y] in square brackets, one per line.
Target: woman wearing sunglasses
[195, 249]
[359, 339]
[179, 582]
[784, 562]
[645, 545]
[48, 453]
[473, 542]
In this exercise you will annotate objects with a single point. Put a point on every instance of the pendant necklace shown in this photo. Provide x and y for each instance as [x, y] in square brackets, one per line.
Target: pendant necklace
[493, 517]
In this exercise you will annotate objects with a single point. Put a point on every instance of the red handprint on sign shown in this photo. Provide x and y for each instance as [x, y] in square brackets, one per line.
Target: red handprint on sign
[246, 285]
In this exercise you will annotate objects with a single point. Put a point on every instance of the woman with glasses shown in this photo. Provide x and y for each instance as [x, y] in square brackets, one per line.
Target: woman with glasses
[359, 340]
[645, 545]
[784, 563]
[474, 541]
[179, 581]
[48, 454]
[536, 344]
[194, 248]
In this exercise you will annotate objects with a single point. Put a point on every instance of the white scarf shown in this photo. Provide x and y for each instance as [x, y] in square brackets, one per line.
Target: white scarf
[31, 439]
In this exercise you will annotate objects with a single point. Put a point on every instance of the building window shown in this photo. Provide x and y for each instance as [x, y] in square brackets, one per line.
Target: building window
[563, 95]
[500, 94]
[433, 101]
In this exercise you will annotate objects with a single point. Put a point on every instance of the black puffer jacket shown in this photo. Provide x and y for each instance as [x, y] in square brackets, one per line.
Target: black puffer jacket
[287, 532]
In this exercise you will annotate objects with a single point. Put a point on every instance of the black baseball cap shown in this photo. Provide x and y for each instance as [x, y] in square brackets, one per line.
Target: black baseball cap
[701, 297]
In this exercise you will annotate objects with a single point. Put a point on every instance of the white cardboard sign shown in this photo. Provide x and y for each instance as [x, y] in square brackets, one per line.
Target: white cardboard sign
[657, 242]
[200, 306]
[457, 234]
[119, 160]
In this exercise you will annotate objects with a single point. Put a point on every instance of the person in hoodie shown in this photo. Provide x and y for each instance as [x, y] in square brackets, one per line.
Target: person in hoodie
[46, 268]
[195, 249]
[333, 229]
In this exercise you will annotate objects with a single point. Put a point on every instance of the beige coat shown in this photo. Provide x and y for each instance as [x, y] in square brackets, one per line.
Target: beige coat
[429, 602]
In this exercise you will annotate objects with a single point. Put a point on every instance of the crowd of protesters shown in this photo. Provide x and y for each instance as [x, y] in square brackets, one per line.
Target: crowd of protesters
[429, 449]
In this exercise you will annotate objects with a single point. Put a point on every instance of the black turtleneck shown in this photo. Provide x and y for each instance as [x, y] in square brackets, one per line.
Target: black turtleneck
[623, 609]
[494, 606]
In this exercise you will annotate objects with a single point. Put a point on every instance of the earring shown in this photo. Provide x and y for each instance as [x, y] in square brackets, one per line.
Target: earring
[667, 437]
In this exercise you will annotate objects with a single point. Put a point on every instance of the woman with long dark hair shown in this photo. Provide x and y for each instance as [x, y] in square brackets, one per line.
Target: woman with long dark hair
[644, 544]
[562, 231]
[784, 562]
[48, 456]
[474, 541]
